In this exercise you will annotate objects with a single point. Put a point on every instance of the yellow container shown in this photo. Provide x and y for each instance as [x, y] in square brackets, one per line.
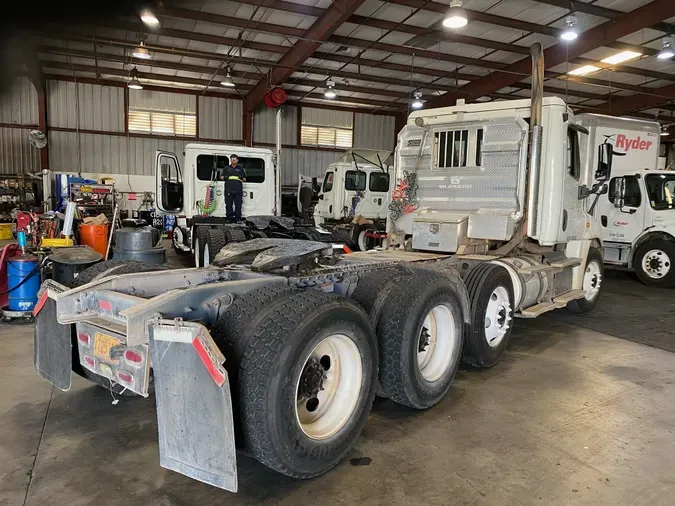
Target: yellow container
[57, 243]
[5, 231]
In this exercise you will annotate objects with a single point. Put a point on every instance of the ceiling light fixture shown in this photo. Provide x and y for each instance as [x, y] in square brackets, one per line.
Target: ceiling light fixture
[149, 19]
[456, 16]
[570, 33]
[227, 80]
[667, 49]
[134, 83]
[330, 90]
[142, 52]
[417, 103]
[582, 71]
[621, 57]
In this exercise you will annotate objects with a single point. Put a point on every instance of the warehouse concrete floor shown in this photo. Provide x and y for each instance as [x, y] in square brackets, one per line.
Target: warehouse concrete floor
[569, 416]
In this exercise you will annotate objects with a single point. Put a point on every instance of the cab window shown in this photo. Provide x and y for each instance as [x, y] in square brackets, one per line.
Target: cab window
[211, 167]
[355, 180]
[661, 190]
[379, 182]
[328, 182]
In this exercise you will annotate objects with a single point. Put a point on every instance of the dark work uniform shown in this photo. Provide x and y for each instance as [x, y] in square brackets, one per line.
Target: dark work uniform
[234, 191]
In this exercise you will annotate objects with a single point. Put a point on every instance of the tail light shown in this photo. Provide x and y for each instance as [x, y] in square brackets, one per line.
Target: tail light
[84, 339]
[133, 357]
[126, 378]
[89, 362]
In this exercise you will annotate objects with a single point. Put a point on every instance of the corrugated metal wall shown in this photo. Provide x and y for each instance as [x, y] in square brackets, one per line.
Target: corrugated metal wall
[19, 105]
[110, 154]
[220, 118]
[310, 162]
[263, 125]
[162, 101]
[327, 117]
[100, 107]
[373, 131]
[17, 156]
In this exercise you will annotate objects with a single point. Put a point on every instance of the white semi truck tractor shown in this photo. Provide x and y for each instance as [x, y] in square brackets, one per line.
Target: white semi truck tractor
[354, 199]
[279, 347]
[637, 214]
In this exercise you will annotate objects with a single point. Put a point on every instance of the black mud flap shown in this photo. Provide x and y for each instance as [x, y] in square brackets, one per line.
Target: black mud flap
[194, 407]
[52, 347]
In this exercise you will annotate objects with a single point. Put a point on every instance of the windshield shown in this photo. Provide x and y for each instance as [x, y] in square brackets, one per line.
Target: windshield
[661, 190]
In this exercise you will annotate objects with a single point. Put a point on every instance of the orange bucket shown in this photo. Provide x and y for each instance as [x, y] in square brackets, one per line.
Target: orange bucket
[95, 236]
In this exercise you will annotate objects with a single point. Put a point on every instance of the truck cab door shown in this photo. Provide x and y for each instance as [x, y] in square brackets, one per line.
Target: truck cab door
[324, 208]
[574, 216]
[258, 197]
[169, 183]
[623, 224]
[376, 200]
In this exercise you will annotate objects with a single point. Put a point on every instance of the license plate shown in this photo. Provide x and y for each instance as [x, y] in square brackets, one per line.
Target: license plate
[102, 345]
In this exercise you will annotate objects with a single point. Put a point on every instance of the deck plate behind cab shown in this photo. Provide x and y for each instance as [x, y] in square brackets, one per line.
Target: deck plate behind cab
[269, 254]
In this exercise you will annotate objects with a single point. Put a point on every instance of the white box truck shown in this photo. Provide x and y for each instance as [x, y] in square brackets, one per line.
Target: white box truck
[279, 347]
[638, 212]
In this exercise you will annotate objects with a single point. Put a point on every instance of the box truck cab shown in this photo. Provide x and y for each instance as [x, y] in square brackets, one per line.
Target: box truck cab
[637, 213]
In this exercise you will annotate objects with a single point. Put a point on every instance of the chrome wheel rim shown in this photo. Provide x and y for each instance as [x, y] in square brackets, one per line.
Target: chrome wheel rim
[592, 280]
[497, 316]
[437, 343]
[328, 387]
[656, 263]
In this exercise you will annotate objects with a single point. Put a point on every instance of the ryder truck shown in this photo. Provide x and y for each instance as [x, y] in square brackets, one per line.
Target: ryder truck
[638, 212]
[278, 347]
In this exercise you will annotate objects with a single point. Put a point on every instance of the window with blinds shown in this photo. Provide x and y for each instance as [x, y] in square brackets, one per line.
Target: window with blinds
[330, 137]
[162, 123]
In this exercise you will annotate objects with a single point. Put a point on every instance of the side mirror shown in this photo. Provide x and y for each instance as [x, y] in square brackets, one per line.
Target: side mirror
[618, 192]
[604, 170]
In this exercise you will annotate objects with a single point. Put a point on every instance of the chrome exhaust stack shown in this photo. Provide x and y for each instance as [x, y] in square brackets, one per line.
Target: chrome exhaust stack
[536, 112]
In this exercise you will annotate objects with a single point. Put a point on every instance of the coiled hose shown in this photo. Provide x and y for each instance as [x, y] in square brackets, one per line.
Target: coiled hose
[208, 205]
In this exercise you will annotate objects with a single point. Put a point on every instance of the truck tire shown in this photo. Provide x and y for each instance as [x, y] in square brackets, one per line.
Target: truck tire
[593, 277]
[201, 239]
[373, 289]
[491, 298]
[93, 273]
[653, 263]
[215, 240]
[234, 234]
[306, 382]
[420, 333]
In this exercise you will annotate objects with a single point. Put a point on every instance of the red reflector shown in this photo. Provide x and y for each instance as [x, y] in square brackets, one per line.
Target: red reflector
[41, 302]
[106, 305]
[89, 361]
[346, 249]
[216, 374]
[133, 357]
[125, 377]
[83, 337]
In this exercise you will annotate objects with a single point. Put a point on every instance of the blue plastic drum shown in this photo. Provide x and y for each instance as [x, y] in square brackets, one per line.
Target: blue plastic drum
[23, 282]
